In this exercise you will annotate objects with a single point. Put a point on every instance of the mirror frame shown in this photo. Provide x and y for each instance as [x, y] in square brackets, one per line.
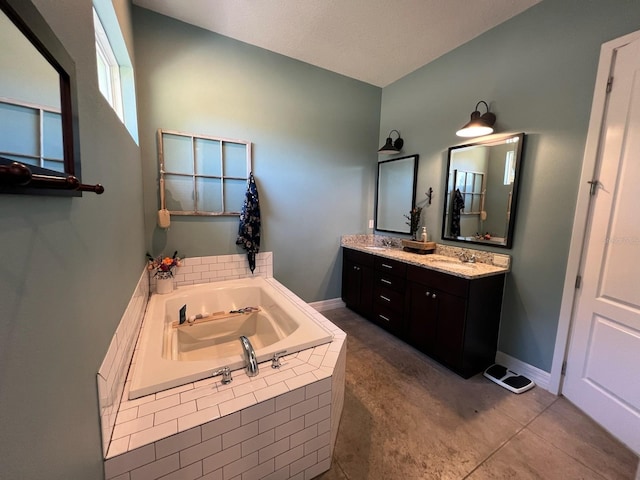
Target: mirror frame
[514, 192]
[414, 182]
[33, 26]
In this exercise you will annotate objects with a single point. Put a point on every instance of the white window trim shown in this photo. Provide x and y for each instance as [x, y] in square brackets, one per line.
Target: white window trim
[105, 51]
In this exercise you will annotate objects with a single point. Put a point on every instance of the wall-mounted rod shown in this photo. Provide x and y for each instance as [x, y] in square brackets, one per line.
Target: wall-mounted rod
[429, 194]
[17, 174]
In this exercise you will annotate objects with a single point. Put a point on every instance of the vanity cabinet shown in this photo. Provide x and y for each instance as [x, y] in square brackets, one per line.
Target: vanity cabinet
[453, 319]
[357, 281]
[388, 294]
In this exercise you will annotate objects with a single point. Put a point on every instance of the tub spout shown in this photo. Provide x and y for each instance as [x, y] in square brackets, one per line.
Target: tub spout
[251, 364]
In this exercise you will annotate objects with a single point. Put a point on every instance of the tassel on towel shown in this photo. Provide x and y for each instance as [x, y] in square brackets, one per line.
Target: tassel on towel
[249, 230]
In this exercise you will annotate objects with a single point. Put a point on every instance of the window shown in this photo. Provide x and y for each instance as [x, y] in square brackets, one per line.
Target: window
[115, 71]
[202, 175]
[108, 68]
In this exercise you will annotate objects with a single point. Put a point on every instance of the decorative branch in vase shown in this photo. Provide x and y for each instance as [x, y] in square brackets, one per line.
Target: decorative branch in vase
[414, 220]
[163, 266]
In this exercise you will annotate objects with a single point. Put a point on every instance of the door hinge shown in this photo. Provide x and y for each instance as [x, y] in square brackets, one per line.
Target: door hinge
[563, 371]
[578, 281]
[609, 84]
[593, 187]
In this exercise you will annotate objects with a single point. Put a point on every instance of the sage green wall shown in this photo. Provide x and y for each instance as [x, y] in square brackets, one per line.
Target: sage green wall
[537, 70]
[314, 137]
[69, 267]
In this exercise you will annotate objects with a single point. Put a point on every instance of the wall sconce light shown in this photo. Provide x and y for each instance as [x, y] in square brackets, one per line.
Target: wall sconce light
[391, 146]
[479, 124]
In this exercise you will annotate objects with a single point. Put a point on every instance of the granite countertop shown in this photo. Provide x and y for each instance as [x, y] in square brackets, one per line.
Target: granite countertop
[444, 259]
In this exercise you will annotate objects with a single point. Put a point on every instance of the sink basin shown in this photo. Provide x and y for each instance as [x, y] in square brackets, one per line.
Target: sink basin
[376, 248]
[453, 265]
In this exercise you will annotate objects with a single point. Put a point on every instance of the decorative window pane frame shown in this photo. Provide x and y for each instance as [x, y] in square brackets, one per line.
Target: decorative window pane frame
[213, 176]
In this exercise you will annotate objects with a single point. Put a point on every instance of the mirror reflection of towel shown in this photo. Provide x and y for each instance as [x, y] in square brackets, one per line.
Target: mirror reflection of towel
[458, 205]
[249, 229]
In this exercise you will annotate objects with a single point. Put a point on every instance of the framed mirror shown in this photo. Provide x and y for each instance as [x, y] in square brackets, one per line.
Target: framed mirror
[481, 191]
[395, 193]
[38, 106]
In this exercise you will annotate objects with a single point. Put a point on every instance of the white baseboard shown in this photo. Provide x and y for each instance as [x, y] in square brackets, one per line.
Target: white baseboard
[540, 377]
[330, 304]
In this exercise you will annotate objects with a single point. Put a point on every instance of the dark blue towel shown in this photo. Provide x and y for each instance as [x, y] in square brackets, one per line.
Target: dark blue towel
[249, 231]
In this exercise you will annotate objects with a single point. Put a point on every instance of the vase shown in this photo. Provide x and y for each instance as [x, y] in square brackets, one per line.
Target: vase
[164, 285]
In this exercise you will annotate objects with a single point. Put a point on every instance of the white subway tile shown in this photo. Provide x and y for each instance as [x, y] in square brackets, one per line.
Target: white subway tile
[324, 426]
[256, 443]
[317, 443]
[198, 418]
[249, 387]
[215, 398]
[191, 472]
[282, 474]
[220, 426]
[200, 451]
[219, 460]
[289, 428]
[124, 463]
[281, 375]
[152, 434]
[257, 411]
[274, 420]
[305, 407]
[324, 399]
[158, 405]
[315, 470]
[304, 463]
[156, 469]
[237, 404]
[271, 391]
[172, 391]
[260, 471]
[239, 435]
[215, 475]
[273, 450]
[175, 443]
[133, 426]
[303, 436]
[174, 412]
[318, 415]
[289, 457]
[290, 398]
[324, 452]
[191, 261]
[300, 380]
[240, 466]
[127, 415]
[118, 446]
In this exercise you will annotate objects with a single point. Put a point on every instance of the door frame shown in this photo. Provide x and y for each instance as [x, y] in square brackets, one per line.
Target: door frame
[581, 216]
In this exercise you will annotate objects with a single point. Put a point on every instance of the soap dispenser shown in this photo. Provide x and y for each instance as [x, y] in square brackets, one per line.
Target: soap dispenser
[423, 235]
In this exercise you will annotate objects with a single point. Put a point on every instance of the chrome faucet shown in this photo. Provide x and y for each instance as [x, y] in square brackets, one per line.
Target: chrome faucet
[251, 363]
[466, 258]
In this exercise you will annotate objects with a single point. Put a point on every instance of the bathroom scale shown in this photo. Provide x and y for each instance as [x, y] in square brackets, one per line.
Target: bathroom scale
[508, 379]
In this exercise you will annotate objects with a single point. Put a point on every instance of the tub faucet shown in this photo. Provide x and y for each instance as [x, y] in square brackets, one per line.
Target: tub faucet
[251, 363]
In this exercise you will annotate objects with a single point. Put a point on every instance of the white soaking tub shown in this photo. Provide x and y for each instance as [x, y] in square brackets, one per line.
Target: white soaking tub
[168, 357]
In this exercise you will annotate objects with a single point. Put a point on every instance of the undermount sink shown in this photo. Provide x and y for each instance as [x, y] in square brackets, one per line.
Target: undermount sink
[452, 264]
[376, 248]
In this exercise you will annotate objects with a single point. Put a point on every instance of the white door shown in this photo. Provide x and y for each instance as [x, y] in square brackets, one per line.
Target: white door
[603, 361]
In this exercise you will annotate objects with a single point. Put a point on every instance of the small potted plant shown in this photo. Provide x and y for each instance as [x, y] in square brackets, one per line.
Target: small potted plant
[163, 271]
[414, 220]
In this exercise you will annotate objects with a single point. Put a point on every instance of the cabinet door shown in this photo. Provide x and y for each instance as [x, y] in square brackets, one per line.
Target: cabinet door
[422, 310]
[450, 329]
[357, 287]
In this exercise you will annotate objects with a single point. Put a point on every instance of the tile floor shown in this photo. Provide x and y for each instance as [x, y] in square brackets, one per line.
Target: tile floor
[407, 417]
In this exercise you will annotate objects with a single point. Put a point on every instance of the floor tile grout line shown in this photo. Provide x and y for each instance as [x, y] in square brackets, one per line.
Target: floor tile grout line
[508, 440]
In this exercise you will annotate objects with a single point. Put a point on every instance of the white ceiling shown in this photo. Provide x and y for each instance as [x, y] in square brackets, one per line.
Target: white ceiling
[376, 41]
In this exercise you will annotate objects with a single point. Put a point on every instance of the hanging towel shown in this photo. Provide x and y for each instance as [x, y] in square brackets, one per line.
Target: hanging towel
[249, 230]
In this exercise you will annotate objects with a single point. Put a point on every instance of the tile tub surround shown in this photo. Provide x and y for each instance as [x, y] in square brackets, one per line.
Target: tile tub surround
[280, 424]
[486, 262]
[112, 373]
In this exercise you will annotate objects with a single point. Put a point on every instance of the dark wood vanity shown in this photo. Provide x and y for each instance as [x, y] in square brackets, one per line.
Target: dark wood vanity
[452, 319]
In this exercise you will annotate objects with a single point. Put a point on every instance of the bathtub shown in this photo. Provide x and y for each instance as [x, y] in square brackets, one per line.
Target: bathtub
[169, 356]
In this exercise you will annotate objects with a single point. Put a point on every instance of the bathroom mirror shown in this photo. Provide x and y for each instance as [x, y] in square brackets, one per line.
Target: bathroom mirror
[481, 191]
[396, 193]
[38, 108]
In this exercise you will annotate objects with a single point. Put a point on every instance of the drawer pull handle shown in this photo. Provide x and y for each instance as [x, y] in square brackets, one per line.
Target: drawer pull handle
[357, 269]
[428, 293]
[385, 298]
[433, 296]
[384, 318]
[386, 266]
[384, 280]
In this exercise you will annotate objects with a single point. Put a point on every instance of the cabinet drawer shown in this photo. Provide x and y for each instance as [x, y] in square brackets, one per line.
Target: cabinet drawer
[358, 257]
[446, 283]
[390, 266]
[390, 281]
[389, 298]
[387, 318]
